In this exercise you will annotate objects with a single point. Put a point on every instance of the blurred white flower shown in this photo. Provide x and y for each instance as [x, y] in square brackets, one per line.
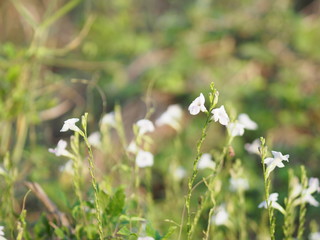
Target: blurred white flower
[239, 184]
[220, 114]
[70, 124]
[109, 119]
[197, 105]
[60, 149]
[221, 216]
[179, 173]
[306, 195]
[245, 120]
[145, 126]
[95, 139]
[235, 129]
[272, 201]
[253, 147]
[276, 161]
[132, 148]
[67, 168]
[2, 233]
[145, 238]
[172, 117]
[206, 161]
[144, 159]
[314, 236]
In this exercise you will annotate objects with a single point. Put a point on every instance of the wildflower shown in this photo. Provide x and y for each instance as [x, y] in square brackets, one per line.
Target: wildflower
[67, 168]
[70, 124]
[60, 150]
[276, 161]
[253, 147]
[245, 120]
[239, 184]
[272, 201]
[314, 236]
[145, 238]
[95, 139]
[306, 195]
[145, 126]
[109, 119]
[2, 233]
[144, 159]
[235, 129]
[171, 117]
[197, 105]
[132, 148]
[179, 173]
[220, 114]
[206, 162]
[221, 216]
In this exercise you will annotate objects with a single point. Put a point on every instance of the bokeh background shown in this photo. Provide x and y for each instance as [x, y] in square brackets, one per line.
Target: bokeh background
[59, 59]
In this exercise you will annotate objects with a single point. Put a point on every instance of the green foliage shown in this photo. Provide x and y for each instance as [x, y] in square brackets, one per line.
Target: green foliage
[68, 57]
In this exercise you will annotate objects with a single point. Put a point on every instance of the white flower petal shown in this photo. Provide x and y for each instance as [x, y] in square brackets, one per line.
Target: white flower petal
[70, 124]
[221, 216]
[145, 126]
[144, 159]
[95, 139]
[109, 119]
[197, 105]
[253, 147]
[245, 120]
[220, 114]
[235, 129]
[206, 162]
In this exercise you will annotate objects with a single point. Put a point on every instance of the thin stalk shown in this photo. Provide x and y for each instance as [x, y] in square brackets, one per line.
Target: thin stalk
[194, 173]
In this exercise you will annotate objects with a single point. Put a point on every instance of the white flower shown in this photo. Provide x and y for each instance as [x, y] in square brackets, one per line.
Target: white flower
[95, 139]
[132, 148]
[272, 201]
[2, 233]
[276, 161]
[245, 120]
[220, 114]
[314, 236]
[206, 162]
[172, 117]
[67, 168]
[109, 119]
[235, 129]
[253, 147]
[70, 124]
[179, 173]
[144, 159]
[145, 126]
[306, 194]
[197, 105]
[221, 216]
[60, 149]
[239, 184]
[145, 238]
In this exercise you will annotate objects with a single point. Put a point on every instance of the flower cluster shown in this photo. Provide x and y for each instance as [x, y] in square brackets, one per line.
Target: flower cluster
[220, 115]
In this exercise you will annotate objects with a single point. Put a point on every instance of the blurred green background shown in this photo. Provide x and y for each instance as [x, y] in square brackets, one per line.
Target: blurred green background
[59, 59]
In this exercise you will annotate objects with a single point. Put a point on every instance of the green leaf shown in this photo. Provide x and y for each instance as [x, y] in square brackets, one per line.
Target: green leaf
[59, 232]
[116, 203]
[171, 230]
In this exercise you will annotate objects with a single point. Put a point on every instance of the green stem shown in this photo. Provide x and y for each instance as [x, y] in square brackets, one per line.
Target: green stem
[194, 174]
[94, 185]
